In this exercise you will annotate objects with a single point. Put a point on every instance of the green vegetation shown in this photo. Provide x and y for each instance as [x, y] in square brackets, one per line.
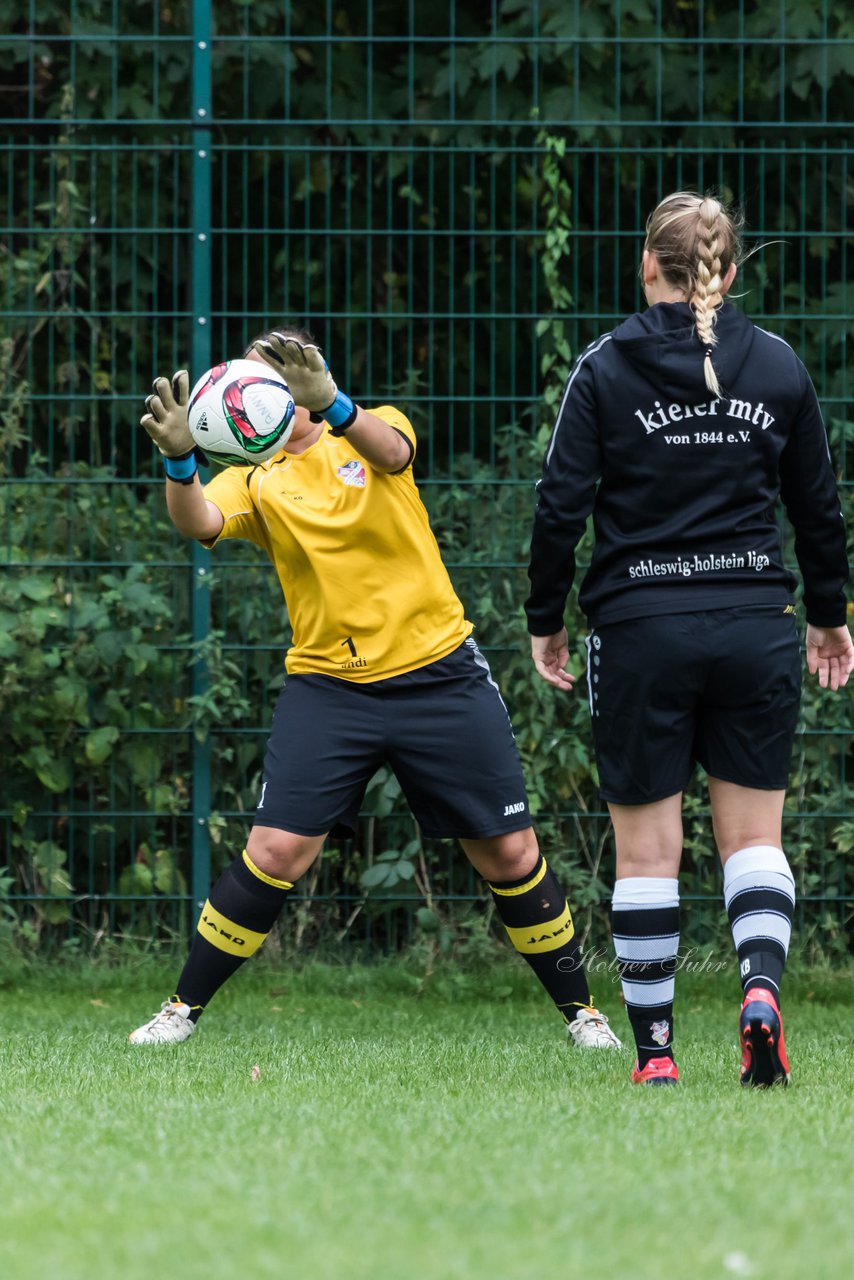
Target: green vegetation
[396, 1128]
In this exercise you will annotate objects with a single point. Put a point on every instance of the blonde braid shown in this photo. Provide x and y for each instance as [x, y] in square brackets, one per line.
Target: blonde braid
[707, 294]
[695, 240]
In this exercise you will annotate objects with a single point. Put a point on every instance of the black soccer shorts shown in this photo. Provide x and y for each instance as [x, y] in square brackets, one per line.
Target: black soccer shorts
[442, 729]
[720, 687]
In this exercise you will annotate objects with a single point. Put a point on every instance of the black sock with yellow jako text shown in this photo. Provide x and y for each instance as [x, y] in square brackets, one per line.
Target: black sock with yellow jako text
[535, 913]
[243, 906]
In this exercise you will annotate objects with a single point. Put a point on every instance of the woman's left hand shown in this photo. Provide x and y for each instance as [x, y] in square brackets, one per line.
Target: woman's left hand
[830, 655]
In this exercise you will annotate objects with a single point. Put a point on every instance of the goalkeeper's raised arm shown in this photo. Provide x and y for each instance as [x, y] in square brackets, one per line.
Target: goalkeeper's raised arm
[165, 420]
[314, 390]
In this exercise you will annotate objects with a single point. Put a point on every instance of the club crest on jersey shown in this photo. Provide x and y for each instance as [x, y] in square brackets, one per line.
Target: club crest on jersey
[352, 473]
[660, 1032]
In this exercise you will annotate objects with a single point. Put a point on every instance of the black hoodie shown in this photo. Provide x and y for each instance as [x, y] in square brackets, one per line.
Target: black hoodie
[685, 509]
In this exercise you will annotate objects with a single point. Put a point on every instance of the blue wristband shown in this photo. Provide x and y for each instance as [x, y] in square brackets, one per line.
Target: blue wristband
[181, 469]
[341, 414]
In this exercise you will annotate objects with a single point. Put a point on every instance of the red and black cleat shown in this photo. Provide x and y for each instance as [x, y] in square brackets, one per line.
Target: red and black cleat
[656, 1071]
[763, 1047]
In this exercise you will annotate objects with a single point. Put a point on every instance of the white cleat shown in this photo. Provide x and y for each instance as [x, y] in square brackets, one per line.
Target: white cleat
[170, 1026]
[591, 1030]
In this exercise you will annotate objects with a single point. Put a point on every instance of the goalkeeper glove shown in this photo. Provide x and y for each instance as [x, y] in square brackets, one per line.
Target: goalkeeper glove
[311, 384]
[165, 420]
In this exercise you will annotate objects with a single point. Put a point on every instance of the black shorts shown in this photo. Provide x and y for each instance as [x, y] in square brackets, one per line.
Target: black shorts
[720, 687]
[443, 730]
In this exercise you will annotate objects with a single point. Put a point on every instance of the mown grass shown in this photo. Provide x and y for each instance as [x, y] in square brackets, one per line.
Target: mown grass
[400, 1129]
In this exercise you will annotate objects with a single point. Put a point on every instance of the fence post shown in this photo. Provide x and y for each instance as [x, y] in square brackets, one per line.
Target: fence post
[200, 350]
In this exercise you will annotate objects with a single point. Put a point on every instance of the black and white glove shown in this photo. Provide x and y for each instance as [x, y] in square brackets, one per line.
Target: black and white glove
[311, 384]
[165, 420]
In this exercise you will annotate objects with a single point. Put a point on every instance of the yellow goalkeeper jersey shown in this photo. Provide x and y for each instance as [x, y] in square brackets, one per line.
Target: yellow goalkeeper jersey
[366, 590]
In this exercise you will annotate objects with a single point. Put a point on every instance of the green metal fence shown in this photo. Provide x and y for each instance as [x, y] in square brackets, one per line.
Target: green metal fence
[174, 178]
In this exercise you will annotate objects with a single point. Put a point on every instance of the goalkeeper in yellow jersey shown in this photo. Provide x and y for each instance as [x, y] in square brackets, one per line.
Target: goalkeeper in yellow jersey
[383, 670]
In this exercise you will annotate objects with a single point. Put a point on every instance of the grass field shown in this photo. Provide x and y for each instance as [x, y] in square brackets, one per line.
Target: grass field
[396, 1132]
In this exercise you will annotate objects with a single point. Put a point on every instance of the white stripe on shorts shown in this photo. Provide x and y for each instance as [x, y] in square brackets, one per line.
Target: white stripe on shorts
[588, 640]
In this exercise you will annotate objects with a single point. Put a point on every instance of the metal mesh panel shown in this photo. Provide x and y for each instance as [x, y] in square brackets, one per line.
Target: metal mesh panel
[171, 184]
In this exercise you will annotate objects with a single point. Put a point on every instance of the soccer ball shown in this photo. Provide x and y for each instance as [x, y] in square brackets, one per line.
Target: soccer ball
[240, 413]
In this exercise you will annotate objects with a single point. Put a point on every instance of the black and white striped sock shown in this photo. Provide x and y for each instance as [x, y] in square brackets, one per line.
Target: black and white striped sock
[759, 892]
[645, 924]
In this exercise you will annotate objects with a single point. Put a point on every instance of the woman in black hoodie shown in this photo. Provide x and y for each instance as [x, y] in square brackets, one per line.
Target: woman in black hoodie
[679, 431]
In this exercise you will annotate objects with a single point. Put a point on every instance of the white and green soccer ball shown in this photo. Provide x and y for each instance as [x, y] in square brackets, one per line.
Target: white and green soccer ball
[240, 413]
